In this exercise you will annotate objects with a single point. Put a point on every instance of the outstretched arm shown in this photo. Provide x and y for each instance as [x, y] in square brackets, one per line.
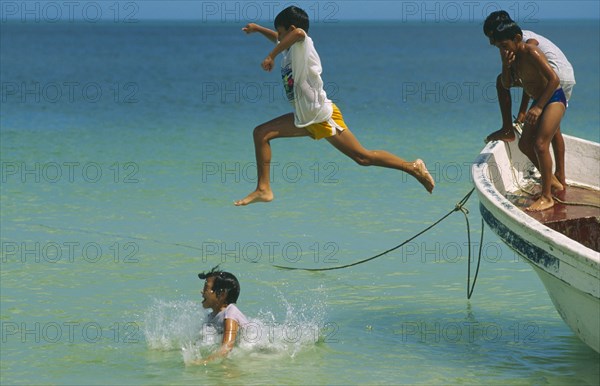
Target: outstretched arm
[268, 33]
[294, 36]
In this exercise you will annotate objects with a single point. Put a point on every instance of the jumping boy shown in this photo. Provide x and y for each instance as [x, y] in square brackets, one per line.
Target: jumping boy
[221, 291]
[314, 115]
[559, 63]
[526, 66]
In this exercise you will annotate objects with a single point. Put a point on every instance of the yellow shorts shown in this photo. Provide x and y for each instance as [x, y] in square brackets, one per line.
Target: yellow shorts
[329, 127]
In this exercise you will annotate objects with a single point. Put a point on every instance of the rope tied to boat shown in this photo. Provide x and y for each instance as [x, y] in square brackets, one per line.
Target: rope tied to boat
[465, 212]
[459, 207]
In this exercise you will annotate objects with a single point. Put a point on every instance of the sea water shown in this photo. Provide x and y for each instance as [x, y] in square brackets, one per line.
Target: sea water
[124, 146]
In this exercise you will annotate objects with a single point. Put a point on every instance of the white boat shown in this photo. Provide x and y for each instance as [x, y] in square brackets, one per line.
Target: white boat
[561, 243]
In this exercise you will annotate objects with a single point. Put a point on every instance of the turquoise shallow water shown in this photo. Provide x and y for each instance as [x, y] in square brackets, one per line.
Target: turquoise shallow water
[123, 147]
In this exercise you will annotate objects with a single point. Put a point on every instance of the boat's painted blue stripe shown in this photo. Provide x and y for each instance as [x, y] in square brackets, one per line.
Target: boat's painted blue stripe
[525, 248]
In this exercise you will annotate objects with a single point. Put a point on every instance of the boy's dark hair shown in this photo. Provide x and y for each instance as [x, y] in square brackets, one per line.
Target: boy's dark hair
[506, 31]
[292, 15]
[224, 281]
[493, 20]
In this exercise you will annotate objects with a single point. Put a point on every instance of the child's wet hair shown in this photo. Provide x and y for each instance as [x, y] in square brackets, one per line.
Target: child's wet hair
[292, 15]
[224, 281]
[506, 30]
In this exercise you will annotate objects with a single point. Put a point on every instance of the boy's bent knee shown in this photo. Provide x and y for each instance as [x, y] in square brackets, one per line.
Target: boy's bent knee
[259, 132]
[541, 146]
[362, 160]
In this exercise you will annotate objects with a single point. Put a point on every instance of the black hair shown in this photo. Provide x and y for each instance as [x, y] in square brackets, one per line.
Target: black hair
[292, 15]
[224, 281]
[493, 20]
[506, 30]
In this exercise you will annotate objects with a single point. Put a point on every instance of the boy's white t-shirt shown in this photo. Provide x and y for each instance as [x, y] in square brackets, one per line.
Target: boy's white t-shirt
[231, 312]
[301, 73]
[557, 59]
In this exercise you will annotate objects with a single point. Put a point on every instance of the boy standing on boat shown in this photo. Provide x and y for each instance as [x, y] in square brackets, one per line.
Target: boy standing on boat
[559, 63]
[524, 65]
[314, 114]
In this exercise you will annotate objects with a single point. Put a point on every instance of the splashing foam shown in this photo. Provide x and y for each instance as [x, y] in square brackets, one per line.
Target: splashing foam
[174, 325]
[170, 324]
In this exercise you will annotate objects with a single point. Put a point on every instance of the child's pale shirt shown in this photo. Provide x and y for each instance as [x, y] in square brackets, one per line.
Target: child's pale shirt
[556, 58]
[301, 73]
[231, 312]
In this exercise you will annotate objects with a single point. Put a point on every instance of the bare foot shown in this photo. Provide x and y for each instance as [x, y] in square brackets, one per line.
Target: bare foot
[560, 195]
[541, 204]
[422, 175]
[506, 135]
[256, 196]
[561, 178]
[556, 185]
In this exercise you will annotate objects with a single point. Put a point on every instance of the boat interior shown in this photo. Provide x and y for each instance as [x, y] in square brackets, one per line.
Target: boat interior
[576, 212]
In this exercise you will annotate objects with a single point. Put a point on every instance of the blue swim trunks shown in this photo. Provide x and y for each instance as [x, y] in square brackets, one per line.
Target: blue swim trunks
[558, 96]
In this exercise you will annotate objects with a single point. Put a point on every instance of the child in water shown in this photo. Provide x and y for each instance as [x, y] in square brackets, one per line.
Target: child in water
[220, 293]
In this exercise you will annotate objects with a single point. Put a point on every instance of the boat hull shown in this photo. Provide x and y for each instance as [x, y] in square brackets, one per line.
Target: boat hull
[570, 271]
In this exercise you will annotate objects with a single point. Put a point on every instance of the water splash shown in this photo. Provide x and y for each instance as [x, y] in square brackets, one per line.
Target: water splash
[170, 324]
[181, 324]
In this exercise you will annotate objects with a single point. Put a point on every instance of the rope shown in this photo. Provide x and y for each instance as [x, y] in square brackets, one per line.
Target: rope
[470, 289]
[459, 207]
[574, 203]
[79, 230]
[514, 176]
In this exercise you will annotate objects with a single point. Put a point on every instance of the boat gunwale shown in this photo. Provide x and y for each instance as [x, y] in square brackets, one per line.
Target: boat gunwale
[488, 192]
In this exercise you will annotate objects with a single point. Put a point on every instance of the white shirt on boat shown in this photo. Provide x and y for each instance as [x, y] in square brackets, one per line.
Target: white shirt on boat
[557, 59]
